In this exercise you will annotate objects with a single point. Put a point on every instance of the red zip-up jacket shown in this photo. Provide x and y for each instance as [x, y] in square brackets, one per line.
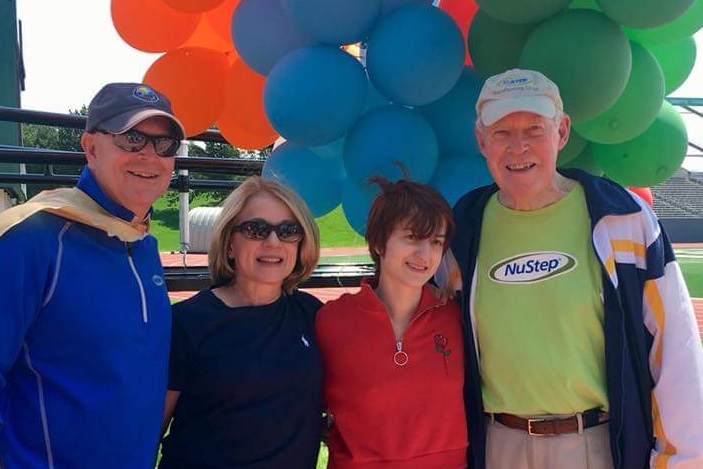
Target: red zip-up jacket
[388, 416]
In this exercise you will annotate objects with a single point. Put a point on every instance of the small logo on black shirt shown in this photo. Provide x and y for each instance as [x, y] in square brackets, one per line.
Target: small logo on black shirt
[304, 341]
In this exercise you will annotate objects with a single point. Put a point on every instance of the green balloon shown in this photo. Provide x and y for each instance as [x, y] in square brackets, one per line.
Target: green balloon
[586, 162]
[572, 149]
[495, 45]
[649, 158]
[644, 13]
[590, 4]
[528, 11]
[586, 54]
[683, 26]
[637, 106]
[676, 60]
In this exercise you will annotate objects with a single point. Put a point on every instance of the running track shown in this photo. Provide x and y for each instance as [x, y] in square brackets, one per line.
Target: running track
[325, 294]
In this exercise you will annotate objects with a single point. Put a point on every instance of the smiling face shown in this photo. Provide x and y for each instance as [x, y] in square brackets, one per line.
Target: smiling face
[133, 180]
[266, 262]
[521, 152]
[409, 261]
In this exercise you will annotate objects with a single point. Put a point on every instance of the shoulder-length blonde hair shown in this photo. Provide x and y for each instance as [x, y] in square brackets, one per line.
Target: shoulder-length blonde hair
[222, 269]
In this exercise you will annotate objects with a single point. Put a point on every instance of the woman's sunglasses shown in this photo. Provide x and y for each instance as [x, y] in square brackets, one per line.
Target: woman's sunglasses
[258, 230]
[134, 140]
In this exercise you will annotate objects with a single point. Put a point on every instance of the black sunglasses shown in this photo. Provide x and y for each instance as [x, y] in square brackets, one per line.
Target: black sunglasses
[134, 140]
[258, 230]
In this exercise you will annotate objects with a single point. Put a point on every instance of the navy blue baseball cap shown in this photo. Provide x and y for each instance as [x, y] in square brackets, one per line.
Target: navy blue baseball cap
[120, 106]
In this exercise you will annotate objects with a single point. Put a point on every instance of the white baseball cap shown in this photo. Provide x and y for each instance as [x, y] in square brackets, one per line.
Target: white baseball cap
[517, 90]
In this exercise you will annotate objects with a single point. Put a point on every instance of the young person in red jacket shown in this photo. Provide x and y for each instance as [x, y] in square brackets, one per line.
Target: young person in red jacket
[392, 353]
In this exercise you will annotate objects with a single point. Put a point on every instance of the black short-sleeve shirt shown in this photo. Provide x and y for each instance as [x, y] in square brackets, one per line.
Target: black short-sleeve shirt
[251, 385]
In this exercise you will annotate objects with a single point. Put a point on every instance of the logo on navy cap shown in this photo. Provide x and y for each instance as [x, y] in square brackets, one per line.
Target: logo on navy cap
[145, 94]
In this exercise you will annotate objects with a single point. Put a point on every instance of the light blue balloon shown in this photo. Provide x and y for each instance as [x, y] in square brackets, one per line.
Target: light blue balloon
[314, 94]
[415, 54]
[316, 179]
[457, 175]
[334, 22]
[263, 32]
[453, 116]
[386, 136]
[356, 203]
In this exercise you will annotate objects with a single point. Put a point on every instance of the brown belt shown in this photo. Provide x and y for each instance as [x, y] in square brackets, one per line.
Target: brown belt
[548, 426]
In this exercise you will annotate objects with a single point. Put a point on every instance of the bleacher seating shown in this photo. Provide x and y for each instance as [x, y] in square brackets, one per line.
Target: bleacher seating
[680, 196]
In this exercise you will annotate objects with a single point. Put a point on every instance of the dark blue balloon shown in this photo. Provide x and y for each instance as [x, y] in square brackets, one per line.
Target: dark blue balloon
[263, 32]
[415, 54]
[388, 5]
[314, 94]
[457, 175]
[316, 179]
[334, 22]
[386, 136]
[356, 203]
[453, 116]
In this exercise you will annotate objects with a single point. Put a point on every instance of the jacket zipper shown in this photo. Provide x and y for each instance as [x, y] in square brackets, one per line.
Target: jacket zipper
[400, 357]
[142, 294]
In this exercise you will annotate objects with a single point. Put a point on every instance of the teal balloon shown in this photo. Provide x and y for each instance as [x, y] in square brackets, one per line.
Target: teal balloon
[263, 32]
[494, 45]
[644, 13]
[572, 149]
[637, 106]
[649, 158]
[586, 55]
[683, 26]
[676, 60]
[334, 22]
[453, 116]
[526, 11]
[314, 94]
[356, 203]
[586, 162]
[317, 180]
[388, 5]
[388, 136]
[457, 175]
[415, 54]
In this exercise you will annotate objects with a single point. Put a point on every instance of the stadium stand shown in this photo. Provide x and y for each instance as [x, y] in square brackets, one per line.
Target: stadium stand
[680, 196]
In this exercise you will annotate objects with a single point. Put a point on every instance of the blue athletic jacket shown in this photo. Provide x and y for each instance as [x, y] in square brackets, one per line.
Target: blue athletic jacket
[654, 360]
[84, 337]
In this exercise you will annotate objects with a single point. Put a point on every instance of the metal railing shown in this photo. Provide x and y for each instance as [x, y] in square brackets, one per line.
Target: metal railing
[182, 278]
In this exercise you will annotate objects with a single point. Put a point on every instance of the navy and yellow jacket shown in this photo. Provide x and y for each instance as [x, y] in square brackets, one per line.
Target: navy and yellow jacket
[85, 325]
[654, 359]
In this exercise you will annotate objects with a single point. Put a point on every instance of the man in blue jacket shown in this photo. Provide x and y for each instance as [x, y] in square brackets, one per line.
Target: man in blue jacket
[583, 350]
[84, 312]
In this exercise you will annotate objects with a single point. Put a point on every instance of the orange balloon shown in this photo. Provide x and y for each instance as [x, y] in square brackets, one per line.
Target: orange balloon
[240, 138]
[205, 36]
[193, 6]
[193, 78]
[244, 100]
[221, 19]
[151, 25]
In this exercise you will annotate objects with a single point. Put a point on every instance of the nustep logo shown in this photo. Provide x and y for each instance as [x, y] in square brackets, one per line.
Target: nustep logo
[532, 267]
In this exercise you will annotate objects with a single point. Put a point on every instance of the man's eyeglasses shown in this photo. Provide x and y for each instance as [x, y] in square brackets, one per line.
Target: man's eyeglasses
[258, 230]
[134, 141]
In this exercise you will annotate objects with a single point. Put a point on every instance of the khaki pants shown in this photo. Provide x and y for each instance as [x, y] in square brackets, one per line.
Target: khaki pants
[507, 448]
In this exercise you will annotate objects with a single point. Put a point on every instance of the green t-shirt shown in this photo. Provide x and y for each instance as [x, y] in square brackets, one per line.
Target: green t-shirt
[539, 311]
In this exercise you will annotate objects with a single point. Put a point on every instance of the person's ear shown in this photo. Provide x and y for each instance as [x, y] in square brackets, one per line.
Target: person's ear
[478, 132]
[88, 144]
[564, 130]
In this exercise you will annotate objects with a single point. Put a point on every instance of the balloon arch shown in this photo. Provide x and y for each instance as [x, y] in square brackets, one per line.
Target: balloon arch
[354, 86]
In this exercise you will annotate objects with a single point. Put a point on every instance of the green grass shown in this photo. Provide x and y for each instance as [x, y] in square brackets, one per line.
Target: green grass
[693, 273]
[334, 229]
